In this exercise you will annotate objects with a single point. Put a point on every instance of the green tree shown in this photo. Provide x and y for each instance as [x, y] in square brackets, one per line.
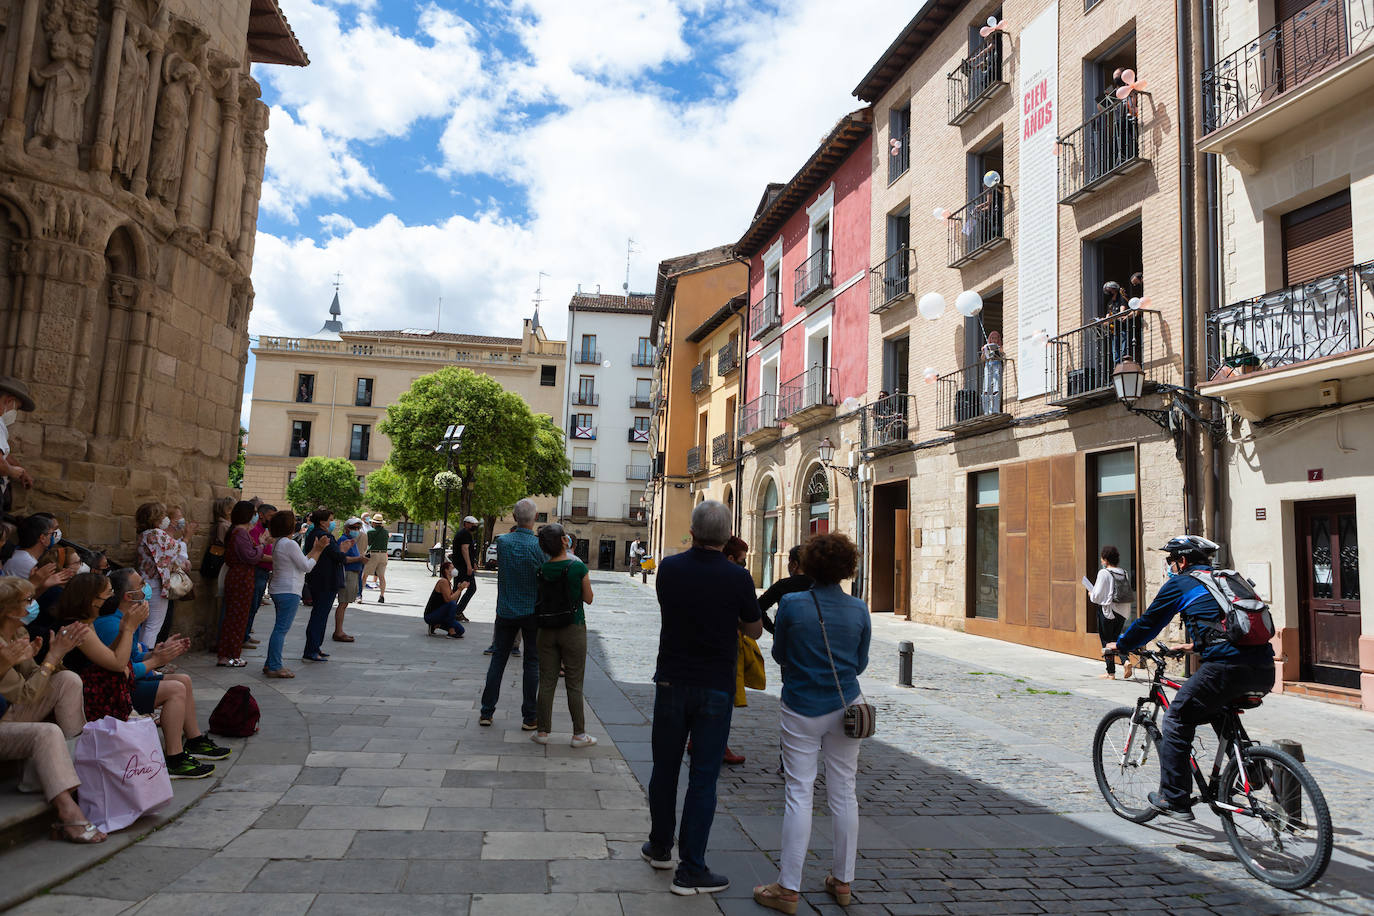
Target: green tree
[547, 469]
[236, 469]
[386, 493]
[329, 482]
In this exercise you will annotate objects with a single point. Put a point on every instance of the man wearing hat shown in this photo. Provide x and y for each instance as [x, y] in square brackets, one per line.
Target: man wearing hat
[464, 557]
[14, 397]
[377, 538]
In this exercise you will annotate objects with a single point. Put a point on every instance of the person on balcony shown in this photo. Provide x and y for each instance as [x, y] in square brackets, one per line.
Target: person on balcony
[992, 357]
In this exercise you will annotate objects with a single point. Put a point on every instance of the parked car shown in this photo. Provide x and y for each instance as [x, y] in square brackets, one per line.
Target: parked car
[396, 545]
[490, 561]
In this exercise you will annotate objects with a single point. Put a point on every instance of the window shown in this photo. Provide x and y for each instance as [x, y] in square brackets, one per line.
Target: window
[896, 364]
[983, 492]
[586, 353]
[586, 393]
[1318, 240]
[290, 477]
[363, 396]
[644, 353]
[1112, 516]
[300, 439]
[642, 425]
[541, 517]
[980, 327]
[1114, 258]
[412, 532]
[362, 483]
[359, 442]
[305, 389]
[898, 152]
[548, 376]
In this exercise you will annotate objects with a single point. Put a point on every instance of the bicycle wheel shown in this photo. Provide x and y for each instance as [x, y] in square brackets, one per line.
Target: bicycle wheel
[1282, 833]
[1126, 763]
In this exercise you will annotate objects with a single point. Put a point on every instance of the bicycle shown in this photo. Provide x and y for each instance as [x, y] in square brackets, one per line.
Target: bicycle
[1272, 811]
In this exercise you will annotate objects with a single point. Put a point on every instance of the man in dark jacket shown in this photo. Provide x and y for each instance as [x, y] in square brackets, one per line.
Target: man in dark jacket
[1227, 671]
[324, 582]
[796, 581]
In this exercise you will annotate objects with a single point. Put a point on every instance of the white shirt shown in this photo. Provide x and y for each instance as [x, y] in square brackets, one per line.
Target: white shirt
[4, 450]
[1101, 593]
[22, 563]
[636, 549]
[289, 566]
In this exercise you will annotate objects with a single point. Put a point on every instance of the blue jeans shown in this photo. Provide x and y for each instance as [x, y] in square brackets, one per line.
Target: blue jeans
[445, 616]
[319, 619]
[286, 606]
[680, 713]
[503, 639]
[1200, 700]
[260, 578]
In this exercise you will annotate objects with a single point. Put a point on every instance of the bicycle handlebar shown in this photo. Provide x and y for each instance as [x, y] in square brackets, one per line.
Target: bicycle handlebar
[1161, 652]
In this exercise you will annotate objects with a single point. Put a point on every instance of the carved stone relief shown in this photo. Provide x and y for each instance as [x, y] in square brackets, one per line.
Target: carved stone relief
[130, 99]
[169, 129]
[64, 81]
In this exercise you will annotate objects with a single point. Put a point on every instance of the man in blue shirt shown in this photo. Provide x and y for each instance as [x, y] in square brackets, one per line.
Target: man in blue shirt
[518, 559]
[705, 602]
[1227, 671]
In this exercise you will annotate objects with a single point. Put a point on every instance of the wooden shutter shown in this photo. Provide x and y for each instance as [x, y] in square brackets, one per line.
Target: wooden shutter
[1011, 560]
[1318, 240]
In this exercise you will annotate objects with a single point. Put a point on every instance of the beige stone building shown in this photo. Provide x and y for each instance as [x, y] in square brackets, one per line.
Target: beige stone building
[324, 395]
[1291, 331]
[131, 162]
[1008, 172]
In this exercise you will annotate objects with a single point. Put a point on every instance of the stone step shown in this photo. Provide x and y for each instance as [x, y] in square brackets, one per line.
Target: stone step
[23, 817]
[1341, 696]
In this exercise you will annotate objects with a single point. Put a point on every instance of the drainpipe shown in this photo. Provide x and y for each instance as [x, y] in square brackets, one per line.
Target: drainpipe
[743, 387]
[1187, 209]
[1217, 478]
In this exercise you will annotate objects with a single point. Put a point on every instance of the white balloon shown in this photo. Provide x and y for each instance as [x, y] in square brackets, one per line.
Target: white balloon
[606, 364]
[1134, 302]
[992, 21]
[1040, 338]
[992, 179]
[969, 303]
[930, 375]
[931, 306]
[939, 213]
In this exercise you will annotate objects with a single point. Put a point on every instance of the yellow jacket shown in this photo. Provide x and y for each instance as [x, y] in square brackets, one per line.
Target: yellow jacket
[749, 670]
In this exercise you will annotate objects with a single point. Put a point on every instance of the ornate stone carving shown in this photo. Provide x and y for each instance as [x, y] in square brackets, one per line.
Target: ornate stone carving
[169, 130]
[65, 81]
[130, 101]
[63, 218]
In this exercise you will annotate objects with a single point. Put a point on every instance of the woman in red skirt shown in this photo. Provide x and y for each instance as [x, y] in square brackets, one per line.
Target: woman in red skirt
[241, 556]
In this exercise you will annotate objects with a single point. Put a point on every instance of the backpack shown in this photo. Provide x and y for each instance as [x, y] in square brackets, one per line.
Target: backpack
[1245, 619]
[554, 608]
[1123, 592]
[236, 715]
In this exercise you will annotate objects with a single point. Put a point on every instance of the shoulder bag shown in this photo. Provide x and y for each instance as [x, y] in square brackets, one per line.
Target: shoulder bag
[860, 719]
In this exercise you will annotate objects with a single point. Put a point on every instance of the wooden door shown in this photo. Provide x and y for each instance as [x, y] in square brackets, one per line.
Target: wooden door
[901, 563]
[1329, 592]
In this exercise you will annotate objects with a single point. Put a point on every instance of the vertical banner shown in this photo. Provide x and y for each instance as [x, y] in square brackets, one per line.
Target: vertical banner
[1037, 233]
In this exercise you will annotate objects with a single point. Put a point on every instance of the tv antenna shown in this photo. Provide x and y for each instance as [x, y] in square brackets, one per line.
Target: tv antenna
[630, 250]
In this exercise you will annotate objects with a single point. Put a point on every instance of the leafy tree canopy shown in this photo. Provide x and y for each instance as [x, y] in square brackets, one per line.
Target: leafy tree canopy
[236, 469]
[329, 482]
[386, 493]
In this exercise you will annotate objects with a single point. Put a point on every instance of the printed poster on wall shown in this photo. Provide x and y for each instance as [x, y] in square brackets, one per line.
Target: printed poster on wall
[1037, 235]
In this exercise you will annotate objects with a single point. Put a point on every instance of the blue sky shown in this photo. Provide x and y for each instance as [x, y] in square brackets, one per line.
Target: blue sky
[459, 148]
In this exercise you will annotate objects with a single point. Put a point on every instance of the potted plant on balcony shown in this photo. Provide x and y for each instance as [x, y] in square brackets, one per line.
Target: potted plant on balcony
[1242, 362]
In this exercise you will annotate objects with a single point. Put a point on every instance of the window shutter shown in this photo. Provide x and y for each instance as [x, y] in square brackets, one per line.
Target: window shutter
[1317, 245]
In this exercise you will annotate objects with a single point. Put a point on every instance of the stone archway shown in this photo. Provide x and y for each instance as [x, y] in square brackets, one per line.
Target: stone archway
[14, 235]
[815, 517]
[116, 335]
[770, 528]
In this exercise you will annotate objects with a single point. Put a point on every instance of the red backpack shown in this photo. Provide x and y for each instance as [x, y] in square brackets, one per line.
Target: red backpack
[1245, 619]
[236, 715]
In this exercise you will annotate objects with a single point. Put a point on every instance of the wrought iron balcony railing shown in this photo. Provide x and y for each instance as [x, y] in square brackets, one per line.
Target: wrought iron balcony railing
[637, 471]
[1079, 363]
[583, 432]
[694, 459]
[1326, 317]
[701, 377]
[723, 449]
[643, 359]
[813, 388]
[727, 359]
[976, 80]
[977, 227]
[637, 435]
[765, 315]
[758, 415]
[580, 512]
[889, 422]
[587, 357]
[1283, 58]
[586, 398]
[891, 281]
[583, 469]
[812, 276]
[976, 396]
[1100, 150]
[635, 515]
[899, 161]
[641, 401]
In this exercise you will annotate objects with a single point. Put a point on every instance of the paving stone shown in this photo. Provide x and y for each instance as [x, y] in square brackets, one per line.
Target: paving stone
[544, 798]
[136, 873]
[205, 833]
[327, 817]
[511, 876]
[333, 795]
[218, 875]
[417, 844]
[352, 759]
[67, 904]
[319, 776]
[381, 876]
[628, 800]
[659, 904]
[598, 821]
[259, 777]
[358, 776]
[459, 779]
[282, 817]
[525, 845]
[437, 798]
[545, 905]
[607, 876]
[513, 819]
[227, 904]
[270, 843]
[400, 905]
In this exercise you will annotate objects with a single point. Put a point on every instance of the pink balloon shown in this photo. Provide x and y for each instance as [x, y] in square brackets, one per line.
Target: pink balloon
[1123, 92]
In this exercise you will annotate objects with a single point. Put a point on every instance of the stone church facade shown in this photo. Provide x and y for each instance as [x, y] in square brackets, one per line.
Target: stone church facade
[131, 163]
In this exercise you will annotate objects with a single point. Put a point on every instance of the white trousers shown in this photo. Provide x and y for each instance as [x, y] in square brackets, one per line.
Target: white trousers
[157, 615]
[805, 740]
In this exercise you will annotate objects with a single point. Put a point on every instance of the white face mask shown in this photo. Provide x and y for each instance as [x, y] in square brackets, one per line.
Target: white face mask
[9, 416]
[165, 523]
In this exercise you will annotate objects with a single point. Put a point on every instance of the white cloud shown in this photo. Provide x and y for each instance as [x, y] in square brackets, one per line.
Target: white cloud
[304, 163]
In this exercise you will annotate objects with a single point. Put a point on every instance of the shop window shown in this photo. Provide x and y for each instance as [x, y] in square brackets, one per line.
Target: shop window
[1113, 516]
[985, 495]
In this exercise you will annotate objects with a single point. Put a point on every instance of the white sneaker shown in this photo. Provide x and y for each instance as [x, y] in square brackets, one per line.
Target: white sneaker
[582, 741]
[539, 738]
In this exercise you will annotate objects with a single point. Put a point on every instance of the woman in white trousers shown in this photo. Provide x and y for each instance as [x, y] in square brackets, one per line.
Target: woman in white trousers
[821, 640]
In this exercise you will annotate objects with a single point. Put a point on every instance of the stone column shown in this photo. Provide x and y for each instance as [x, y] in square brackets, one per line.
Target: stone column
[229, 113]
[255, 161]
[102, 154]
[140, 182]
[140, 321]
[12, 132]
[197, 128]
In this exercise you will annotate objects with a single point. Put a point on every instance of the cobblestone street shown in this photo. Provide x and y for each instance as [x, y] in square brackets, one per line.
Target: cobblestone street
[371, 789]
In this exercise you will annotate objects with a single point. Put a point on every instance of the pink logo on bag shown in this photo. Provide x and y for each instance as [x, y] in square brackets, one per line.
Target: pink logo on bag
[150, 770]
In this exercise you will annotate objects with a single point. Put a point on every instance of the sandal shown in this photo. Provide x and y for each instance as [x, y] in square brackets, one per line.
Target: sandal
[279, 672]
[88, 835]
[343, 638]
[231, 663]
[838, 889]
[775, 897]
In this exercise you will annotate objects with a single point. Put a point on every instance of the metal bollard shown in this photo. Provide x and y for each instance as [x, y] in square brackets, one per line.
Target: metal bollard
[905, 650]
[1288, 792]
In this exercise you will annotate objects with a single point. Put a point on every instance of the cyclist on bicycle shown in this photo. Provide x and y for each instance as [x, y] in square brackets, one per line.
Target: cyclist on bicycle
[1227, 671]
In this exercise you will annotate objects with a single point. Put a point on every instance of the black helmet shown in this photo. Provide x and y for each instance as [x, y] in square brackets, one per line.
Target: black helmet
[1192, 546]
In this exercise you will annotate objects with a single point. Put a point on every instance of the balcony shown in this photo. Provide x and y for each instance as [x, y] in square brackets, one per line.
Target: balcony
[583, 469]
[758, 420]
[637, 435]
[641, 402]
[583, 432]
[898, 164]
[635, 515]
[1098, 152]
[643, 359]
[727, 359]
[694, 460]
[1272, 354]
[587, 357]
[580, 513]
[765, 315]
[888, 423]
[977, 397]
[723, 449]
[637, 471]
[586, 398]
[701, 376]
[1079, 364]
[976, 80]
[891, 281]
[812, 277]
[1303, 67]
[978, 227]
[809, 397]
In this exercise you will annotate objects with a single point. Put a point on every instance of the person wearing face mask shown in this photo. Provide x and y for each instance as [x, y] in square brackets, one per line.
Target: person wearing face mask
[37, 534]
[354, 561]
[240, 560]
[324, 582]
[159, 555]
[14, 397]
[36, 692]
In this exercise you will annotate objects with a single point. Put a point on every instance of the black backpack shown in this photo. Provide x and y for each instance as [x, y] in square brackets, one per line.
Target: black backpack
[1123, 592]
[554, 608]
[1245, 619]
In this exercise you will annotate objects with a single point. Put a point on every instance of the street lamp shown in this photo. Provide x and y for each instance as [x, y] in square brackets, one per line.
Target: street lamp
[449, 445]
[826, 452]
[1128, 379]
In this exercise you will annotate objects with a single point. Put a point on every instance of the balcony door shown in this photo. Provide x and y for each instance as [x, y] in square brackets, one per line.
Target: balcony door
[1312, 37]
[1329, 592]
